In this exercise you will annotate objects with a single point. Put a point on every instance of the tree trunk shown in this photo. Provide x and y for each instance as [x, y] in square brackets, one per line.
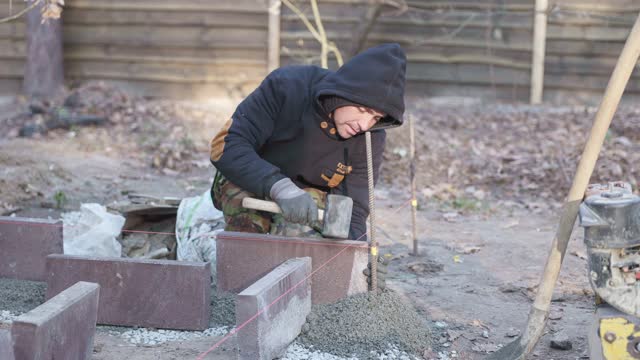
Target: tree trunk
[44, 70]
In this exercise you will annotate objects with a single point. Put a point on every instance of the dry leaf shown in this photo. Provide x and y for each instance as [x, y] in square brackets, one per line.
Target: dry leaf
[471, 250]
[51, 11]
[579, 254]
[485, 348]
[511, 224]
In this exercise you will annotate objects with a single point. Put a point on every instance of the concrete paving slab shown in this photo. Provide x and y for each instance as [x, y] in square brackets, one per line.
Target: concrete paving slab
[151, 293]
[6, 346]
[243, 258]
[281, 308]
[25, 243]
[61, 328]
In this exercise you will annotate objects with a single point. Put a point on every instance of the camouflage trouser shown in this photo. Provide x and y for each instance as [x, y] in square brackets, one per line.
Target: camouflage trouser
[227, 197]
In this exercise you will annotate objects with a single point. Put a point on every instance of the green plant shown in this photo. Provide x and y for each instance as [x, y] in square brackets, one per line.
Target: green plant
[60, 199]
[465, 204]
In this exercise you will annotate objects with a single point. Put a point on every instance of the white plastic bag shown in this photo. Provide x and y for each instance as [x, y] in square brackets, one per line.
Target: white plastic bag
[92, 231]
[197, 224]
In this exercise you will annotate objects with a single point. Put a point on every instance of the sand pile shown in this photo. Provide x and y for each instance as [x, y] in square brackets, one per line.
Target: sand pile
[364, 324]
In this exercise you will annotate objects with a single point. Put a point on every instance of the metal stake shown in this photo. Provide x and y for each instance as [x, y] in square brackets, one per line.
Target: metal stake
[414, 201]
[373, 244]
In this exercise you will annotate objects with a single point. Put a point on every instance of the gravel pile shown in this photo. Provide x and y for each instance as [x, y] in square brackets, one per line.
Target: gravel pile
[296, 351]
[154, 337]
[223, 309]
[21, 296]
[367, 326]
[299, 352]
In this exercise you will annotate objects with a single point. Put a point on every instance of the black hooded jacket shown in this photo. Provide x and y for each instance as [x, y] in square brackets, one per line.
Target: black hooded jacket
[281, 129]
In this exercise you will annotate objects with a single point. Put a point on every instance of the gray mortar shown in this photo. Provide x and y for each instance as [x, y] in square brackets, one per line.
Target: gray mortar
[21, 296]
[360, 324]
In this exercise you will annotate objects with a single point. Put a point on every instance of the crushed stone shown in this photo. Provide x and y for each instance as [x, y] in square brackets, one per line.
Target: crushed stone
[7, 316]
[296, 351]
[444, 355]
[152, 337]
[223, 309]
[366, 326]
[21, 296]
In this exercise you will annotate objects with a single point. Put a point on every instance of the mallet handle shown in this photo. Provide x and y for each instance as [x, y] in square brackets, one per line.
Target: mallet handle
[269, 206]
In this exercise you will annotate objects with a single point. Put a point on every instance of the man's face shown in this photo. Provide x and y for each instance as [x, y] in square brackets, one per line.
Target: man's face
[351, 120]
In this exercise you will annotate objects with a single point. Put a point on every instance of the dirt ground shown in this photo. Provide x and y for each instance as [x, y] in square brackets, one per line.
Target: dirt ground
[481, 255]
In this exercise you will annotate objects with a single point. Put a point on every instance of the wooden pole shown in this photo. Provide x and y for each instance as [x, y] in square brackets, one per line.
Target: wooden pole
[538, 51]
[414, 201]
[273, 61]
[324, 49]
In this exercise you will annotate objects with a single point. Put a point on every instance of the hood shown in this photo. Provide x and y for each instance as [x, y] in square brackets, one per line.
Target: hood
[374, 78]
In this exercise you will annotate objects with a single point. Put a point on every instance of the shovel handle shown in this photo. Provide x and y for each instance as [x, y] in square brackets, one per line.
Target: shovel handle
[268, 206]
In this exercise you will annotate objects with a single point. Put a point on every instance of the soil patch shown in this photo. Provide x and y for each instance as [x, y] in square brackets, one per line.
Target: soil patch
[470, 153]
[366, 323]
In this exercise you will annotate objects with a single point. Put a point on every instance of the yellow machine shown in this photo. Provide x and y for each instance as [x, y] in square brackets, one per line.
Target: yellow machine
[610, 215]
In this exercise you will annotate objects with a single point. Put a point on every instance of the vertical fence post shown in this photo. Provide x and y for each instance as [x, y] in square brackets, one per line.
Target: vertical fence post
[538, 50]
[273, 57]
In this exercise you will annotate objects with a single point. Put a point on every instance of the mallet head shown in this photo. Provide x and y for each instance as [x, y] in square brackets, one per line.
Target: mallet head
[337, 216]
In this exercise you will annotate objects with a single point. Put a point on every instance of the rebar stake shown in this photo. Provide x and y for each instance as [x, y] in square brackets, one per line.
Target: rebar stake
[373, 244]
[412, 172]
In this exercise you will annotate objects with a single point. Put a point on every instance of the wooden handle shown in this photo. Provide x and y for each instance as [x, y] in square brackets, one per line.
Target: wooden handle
[269, 206]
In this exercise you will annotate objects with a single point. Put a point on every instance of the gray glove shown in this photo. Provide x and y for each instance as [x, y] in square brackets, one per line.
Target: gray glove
[297, 206]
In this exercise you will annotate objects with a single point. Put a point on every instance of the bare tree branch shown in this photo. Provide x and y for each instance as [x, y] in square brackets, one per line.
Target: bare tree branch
[302, 17]
[20, 13]
[323, 35]
[400, 5]
[361, 32]
[371, 15]
[327, 45]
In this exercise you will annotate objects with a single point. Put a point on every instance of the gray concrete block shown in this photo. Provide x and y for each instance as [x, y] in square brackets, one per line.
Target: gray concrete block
[243, 258]
[133, 292]
[6, 346]
[280, 312]
[61, 328]
[25, 243]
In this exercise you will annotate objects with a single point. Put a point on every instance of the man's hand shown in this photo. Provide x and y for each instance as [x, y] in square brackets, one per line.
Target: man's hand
[297, 206]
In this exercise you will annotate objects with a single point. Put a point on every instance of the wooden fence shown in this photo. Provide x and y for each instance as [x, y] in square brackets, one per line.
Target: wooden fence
[484, 48]
[199, 48]
[180, 49]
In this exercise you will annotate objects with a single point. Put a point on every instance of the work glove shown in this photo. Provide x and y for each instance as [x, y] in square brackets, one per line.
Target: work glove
[296, 205]
[383, 263]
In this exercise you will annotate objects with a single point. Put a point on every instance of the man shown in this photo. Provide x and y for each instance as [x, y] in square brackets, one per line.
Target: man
[299, 136]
